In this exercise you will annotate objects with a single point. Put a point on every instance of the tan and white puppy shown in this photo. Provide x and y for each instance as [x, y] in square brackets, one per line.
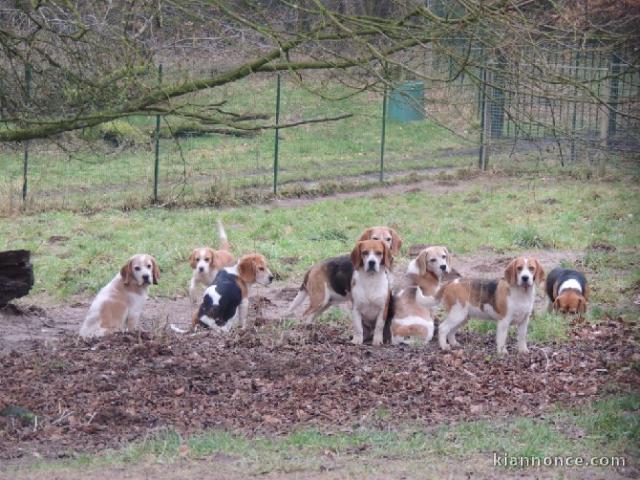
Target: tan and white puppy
[507, 301]
[226, 302]
[119, 304]
[370, 289]
[329, 282]
[206, 262]
[416, 296]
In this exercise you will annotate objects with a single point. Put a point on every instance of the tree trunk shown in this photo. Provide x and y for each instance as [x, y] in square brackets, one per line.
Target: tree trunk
[16, 275]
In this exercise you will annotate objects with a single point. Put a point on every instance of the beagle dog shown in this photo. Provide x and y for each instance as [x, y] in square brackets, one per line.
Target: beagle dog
[416, 296]
[329, 282]
[370, 289]
[119, 304]
[206, 262]
[567, 291]
[226, 301]
[508, 300]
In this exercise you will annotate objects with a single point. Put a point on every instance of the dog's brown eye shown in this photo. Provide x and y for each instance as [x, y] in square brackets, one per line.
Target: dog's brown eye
[137, 268]
[261, 269]
[206, 259]
[366, 252]
[433, 260]
[149, 266]
[197, 259]
[378, 254]
[519, 269]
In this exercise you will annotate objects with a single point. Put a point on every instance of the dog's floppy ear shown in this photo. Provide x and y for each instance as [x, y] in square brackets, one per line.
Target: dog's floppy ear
[539, 276]
[192, 258]
[387, 258]
[421, 262]
[356, 257]
[446, 251]
[556, 304]
[510, 274]
[396, 242]
[582, 305]
[155, 271]
[247, 269]
[366, 235]
[126, 272]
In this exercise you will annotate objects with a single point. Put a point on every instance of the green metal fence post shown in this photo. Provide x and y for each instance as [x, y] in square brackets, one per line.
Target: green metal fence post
[156, 167]
[277, 140]
[613, 97]
[482, 153]
[576, 66]
[25, 169]
[384, 130]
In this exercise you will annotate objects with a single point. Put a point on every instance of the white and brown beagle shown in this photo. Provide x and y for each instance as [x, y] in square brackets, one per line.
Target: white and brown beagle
[416, 296]
[119, 304]
[206, 262]
[508, 300]
[567, 291]
[329, 282]
[370, 290]
[226, 301]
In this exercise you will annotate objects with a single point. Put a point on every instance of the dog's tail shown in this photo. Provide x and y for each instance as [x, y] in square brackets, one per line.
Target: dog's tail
[224, 242]
[300, 297]
[177, 329]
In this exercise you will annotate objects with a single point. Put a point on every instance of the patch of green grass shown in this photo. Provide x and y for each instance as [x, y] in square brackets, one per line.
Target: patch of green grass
[543, 328]
[75, 253]
[528, 237]
[606, 427]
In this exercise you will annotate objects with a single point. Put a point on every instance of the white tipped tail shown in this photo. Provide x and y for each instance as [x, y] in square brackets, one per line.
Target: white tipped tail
[224, 242]
[300, 297]
[177, 329]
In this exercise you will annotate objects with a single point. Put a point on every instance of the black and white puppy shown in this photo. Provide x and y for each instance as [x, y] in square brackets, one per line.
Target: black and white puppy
[227, 301]
[567, 291]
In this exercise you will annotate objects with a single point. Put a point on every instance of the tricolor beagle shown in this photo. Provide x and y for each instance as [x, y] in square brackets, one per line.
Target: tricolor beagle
[508, 300]
[567, 291]
[416, 295]
[119, 304]
[206, 263]
[370, 289]
[329, 282]
[226, 301]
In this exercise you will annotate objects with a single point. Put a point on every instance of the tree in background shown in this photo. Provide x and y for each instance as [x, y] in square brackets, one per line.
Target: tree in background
[92, 62]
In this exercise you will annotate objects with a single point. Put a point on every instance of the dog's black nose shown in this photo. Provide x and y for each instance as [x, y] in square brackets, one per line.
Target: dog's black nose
[372, 263]
[525, 278]
[443, 268]
[145, 278]
[201, 269]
